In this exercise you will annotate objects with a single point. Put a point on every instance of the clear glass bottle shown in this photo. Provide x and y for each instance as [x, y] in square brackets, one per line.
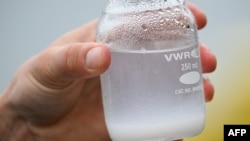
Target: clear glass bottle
[153, 88]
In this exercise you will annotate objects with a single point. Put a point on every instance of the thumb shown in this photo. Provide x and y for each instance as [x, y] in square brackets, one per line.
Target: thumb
[79, 60]
[34, 91]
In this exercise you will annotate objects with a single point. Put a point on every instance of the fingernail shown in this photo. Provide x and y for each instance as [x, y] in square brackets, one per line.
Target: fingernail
[94, 58]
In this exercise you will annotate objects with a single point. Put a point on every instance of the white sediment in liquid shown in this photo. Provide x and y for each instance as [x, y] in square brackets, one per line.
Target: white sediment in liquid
[156, 131]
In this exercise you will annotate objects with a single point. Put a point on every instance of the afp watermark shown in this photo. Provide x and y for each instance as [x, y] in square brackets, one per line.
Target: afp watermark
[237, 132]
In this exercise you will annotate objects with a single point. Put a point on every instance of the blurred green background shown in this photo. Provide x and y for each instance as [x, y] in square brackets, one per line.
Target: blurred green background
[28, 26]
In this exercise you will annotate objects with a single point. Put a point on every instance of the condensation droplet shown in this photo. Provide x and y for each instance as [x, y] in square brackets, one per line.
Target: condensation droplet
[168, 10]
[177, 10]
[160, 11]
[176, 21]
[162, 20]
[187, 26]
[144, 27]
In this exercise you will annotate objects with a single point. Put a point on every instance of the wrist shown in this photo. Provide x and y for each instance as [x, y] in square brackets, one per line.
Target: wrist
[8, 119]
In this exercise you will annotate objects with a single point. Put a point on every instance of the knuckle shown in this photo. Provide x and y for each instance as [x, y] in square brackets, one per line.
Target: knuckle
[73, 62]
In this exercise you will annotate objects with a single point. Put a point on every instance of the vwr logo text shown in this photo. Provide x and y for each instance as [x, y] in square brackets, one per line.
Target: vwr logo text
[183, 55]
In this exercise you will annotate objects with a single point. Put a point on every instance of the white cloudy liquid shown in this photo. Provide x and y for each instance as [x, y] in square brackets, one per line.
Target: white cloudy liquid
[145, 98]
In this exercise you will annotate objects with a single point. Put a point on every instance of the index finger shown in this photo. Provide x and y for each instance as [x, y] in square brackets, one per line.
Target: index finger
[201, 19]
[85, 33]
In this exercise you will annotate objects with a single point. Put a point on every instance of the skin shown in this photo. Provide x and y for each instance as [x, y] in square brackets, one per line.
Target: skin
[56, 96]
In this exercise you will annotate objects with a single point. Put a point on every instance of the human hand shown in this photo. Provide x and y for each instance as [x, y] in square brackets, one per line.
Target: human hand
[56, 95]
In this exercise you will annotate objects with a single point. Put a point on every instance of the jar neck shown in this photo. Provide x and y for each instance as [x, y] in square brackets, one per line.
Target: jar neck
[130, 5]
[137, 2]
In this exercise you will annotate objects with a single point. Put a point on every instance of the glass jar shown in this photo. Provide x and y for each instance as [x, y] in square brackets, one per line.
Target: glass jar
[153, 89]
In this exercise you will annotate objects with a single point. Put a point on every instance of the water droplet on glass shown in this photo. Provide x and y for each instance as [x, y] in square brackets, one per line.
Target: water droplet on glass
[144, 27]
[160, 12]
[162, 20]
[176, 21]
[187, 26]
[177, 10]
